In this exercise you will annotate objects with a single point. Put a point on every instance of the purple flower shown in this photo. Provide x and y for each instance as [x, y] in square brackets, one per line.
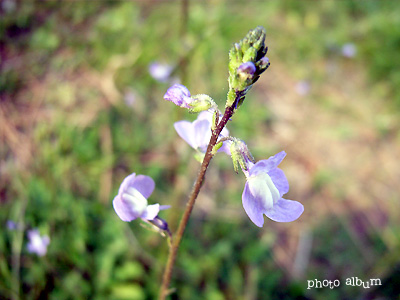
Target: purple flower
[247, 68]
[11, 225]
[37, 243]
[265, 186]
[179, 95]
[198, 133]
[160, 72]
[131, 201]
[349, 50]
[303, 87]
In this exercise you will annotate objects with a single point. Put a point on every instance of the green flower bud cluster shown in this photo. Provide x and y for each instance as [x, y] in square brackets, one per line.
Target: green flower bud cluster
[246, 63]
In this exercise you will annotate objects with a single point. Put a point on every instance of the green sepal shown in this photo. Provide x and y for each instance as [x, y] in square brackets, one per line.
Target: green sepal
[216, 148]
[199, 156]
[201, 102]
[235, 158]
[250, 55]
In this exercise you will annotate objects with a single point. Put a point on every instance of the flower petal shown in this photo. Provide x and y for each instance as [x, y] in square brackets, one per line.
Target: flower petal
[253, 208]
[151, 212]
[124, 213]
[144, 185]
[202, 134]
[205, 115]
[267, 164]
[226, 147]
[279, 180]
[179, 95]
[285, 211]
[264, 190]
[224, 132]
[185, 130]
[160, 71]
[126, 183]
[163, 207]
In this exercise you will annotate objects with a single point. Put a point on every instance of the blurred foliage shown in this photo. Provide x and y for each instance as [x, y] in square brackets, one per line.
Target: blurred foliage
[70, 135]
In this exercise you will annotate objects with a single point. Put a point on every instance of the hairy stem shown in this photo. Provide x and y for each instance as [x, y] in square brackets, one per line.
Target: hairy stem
[173, 250]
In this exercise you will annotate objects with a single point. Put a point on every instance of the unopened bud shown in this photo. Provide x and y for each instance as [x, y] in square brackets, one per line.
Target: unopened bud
[200, 103]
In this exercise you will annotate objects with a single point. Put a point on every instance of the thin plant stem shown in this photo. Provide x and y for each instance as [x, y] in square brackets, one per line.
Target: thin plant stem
[173, 249]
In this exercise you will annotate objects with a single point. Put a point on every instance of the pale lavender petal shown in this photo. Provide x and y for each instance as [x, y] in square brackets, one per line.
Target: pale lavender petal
[226, 147]
[202, 133]
[205, 115]
[123, 211]
[185, 130]
[126, 183]
[160, 72]
[179, 95]
[37, 243]
[164, 207]
[252, 207]
[280, 181]
[349, 50]
[144, 185]
[285, 211]
[267, 164]
[151, 212]
[224, 132]
[45, 240]
[11, 225]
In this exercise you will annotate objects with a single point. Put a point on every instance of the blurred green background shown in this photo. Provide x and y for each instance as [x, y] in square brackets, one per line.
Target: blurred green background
[79, 111]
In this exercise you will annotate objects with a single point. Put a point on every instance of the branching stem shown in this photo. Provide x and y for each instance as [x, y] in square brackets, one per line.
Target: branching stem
[173, 249]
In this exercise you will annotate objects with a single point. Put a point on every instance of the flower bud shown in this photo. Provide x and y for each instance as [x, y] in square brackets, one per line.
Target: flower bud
[246, 70]
[241, 155]
[179, 95]
[246, 63]
[200, 103]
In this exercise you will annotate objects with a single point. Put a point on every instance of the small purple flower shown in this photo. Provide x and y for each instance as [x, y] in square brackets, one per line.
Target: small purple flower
[160, 72]
[37, 243]
[11, 225]
[130, 98]
[265, 186]
[349, 50]
[247, 68]
[179, 95]
[198, 133]
[303, 87]
[131, 201]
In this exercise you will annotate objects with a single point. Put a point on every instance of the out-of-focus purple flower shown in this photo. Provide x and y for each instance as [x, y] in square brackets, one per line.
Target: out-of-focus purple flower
[160, 72]
[349, 50]
[265, 186]
[247, 68]
[179, 95]
[37, 243]
[303, 87]
[130, 97]
[9, 6]
[131, 201]
[198, 133]
[11, 225]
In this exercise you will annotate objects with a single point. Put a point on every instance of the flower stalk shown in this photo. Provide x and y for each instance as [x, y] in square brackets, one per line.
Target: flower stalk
[176, 240]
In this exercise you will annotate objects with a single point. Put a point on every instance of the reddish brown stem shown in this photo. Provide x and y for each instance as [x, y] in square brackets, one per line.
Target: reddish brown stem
[173, 250]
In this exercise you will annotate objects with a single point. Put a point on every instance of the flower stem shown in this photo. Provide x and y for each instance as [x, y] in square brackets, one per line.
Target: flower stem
[173, 249]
